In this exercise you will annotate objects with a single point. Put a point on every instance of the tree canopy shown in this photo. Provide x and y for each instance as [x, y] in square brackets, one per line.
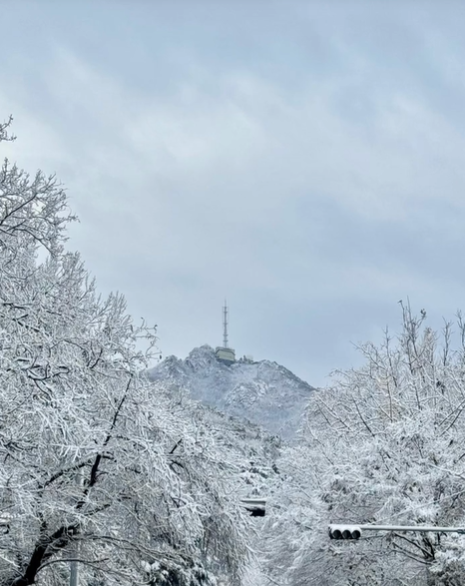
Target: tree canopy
[96, 465]
[383, 445]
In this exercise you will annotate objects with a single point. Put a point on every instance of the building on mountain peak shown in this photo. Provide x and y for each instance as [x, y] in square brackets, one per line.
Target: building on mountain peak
[224, 353]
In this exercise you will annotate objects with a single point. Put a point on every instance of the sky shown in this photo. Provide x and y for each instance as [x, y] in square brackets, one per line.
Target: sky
[303, 160]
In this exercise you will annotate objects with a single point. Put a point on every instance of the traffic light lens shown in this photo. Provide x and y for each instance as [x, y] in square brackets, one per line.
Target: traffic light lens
[337, 534]
[356, 534]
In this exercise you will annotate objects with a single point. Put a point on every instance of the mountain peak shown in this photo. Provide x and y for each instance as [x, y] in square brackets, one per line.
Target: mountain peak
[263, 392]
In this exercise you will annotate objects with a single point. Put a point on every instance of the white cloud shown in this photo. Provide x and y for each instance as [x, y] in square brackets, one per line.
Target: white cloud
[240, 183]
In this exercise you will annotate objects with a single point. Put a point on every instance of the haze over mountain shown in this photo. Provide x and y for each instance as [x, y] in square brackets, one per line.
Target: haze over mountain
[263, 392]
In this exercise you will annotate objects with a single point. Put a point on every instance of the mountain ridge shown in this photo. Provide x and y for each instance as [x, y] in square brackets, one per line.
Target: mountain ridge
[263, 392]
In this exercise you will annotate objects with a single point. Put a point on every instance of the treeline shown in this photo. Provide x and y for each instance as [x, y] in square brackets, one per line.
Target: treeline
[384, 445]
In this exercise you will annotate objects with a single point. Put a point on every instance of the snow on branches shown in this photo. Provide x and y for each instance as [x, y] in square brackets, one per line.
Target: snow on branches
[95, 464]
[385, 444]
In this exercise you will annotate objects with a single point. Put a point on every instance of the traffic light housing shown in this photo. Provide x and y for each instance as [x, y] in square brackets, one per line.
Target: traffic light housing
[255, 506]
[344, 532]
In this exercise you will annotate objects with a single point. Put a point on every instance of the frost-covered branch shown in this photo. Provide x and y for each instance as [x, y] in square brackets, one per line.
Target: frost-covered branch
[85, 439]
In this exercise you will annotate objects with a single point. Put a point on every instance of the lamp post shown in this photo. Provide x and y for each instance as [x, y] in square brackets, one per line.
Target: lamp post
[74, 569]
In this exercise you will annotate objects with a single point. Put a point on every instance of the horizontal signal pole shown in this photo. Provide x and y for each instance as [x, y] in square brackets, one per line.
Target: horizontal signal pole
[257, 502]
[412, 528]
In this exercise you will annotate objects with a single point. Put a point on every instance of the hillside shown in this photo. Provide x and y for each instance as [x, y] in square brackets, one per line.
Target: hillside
[263, 392]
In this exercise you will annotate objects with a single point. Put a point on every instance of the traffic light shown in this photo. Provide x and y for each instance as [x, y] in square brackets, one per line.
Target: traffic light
[344, 532]
[256, 507]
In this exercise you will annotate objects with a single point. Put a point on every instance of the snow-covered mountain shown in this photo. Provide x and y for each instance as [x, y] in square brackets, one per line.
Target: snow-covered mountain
[263, 392]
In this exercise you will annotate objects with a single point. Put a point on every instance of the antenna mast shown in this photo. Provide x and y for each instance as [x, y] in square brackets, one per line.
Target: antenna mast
[224, 353]
[225, 325]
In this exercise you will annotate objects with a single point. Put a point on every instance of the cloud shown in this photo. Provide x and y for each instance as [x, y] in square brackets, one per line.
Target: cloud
[313, 196]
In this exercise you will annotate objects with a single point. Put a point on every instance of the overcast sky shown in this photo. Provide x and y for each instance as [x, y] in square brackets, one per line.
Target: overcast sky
[304, 160]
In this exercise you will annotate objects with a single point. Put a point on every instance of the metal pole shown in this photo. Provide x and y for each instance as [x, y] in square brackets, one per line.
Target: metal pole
[225, 325]
[412, 528]
[74, 569]
[258, 502]
[73, 576]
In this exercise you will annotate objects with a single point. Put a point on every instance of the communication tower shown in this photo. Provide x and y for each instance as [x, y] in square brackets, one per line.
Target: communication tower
[224, 353]
[225, 325]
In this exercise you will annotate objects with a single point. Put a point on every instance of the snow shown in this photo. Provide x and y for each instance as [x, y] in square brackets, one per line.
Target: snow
[263, 392]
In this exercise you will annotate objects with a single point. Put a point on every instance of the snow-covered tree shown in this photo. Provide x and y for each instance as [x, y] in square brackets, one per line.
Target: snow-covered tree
[383, 445]
[96, 465]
